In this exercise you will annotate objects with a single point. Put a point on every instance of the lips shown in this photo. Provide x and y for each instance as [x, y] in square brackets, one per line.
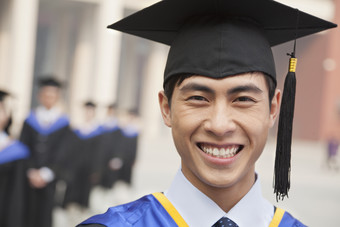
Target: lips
[220, 151]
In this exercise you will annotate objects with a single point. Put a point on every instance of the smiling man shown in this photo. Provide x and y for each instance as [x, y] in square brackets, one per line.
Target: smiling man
[220, 100]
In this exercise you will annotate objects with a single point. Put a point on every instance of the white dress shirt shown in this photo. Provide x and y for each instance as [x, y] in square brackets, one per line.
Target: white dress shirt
[199, 210]
[46, 117]
[4, 140]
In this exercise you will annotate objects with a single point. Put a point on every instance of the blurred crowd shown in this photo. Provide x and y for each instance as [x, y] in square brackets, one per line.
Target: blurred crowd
[55, 164]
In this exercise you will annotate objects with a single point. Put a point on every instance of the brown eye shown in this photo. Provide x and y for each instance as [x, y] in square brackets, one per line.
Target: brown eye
[197, 98]
[244, 99]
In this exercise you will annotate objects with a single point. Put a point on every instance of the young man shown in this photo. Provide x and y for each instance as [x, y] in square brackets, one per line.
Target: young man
[219, 100]
[43, 132]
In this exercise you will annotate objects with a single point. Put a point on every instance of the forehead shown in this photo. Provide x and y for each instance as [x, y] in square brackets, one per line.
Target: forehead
[256, 78]
[49, 89]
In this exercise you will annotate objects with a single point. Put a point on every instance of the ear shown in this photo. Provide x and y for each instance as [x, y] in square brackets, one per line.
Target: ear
[165, 108]
[275, 107]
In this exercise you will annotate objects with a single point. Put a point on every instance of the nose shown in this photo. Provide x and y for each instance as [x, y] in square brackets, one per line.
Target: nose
[220, 120]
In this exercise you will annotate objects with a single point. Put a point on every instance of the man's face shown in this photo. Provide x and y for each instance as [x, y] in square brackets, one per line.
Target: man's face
[89, 113]
[220, 127]
[49, 96]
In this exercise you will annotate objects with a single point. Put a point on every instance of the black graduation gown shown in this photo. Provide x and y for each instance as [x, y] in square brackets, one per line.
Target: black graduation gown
[43, 144]
[112, 142]
[129, 152]
[12, 178]
[86, 151]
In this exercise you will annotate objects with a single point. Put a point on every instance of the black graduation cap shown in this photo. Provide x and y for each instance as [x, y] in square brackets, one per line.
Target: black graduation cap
[133, 112]
[112, 106]
[219, 38]
[90, 104]
[169, 21]
[3, 95]
[49, 81]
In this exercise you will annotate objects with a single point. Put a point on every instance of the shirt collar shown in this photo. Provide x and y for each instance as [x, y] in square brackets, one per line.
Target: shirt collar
[252, 209]
[196, 208]
[199, 210]
[46, 117]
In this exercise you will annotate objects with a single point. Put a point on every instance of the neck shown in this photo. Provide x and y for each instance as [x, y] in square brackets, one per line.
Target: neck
[226, 197]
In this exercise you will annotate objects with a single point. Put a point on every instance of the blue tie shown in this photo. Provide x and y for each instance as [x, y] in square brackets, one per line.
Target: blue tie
[225, 222]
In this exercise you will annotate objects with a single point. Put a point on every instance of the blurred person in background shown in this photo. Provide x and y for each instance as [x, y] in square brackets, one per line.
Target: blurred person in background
[86, 151]
[131, 131]
[112, 156]
[13, 156]
[122, 161]
[43, 132]
[332, 153]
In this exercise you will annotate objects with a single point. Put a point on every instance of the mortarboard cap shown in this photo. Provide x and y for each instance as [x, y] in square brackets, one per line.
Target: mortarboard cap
[112, 106]
[49, 81]
[90, 104]
[133, 111]
[3, 95]
[219, 38]
[171, 22]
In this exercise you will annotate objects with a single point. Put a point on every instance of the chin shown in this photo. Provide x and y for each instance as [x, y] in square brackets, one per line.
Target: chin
[218, 181]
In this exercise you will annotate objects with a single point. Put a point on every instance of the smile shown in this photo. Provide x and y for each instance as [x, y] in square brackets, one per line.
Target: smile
[221, 152]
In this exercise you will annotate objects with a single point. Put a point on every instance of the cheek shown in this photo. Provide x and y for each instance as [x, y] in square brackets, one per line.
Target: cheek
[186, 119]
[184, 125]
[256, 124]
[181, 126]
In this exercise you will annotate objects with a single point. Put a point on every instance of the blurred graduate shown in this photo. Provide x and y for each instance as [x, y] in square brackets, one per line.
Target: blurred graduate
[13, 156]
[129, 147]
[85, 150]
[43, 132]
[112, 144]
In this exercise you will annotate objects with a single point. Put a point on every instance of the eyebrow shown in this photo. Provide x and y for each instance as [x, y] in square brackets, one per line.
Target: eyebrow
[231, 91]
[244, 88]
[196, 87]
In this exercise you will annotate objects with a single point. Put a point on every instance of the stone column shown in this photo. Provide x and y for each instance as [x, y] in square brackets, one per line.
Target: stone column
[23, 24]
[108, 52]
[153, 83]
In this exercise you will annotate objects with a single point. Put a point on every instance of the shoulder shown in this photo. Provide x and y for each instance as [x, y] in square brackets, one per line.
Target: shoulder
[146, 210]
[289, 220]
[92, 225]
[285, 219]
[13, 152]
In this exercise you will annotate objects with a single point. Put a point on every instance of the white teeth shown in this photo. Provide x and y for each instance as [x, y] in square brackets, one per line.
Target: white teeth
[216, 152]
[221, 152]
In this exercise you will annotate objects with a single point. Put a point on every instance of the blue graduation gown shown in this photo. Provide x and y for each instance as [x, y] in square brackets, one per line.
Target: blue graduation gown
[156, 210]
